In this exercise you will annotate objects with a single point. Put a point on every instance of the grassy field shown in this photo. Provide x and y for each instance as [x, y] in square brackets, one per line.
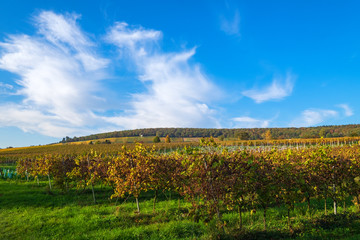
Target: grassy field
[31, 211]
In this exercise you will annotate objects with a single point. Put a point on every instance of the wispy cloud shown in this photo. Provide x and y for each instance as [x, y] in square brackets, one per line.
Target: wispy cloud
[347, 110]
[32, 120]
[5, 88]
[133, 38]
[248, 122]
[231, 25]
[312, 117]
[5, 85]
[177, 93]
[279, 89]
[58, 73]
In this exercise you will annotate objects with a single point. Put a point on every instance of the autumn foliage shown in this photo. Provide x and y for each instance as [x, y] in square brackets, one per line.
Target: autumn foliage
[213, 179]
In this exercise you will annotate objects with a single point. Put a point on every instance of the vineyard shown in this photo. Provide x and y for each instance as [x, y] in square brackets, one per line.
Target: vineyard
[13, 154]
[211, 181]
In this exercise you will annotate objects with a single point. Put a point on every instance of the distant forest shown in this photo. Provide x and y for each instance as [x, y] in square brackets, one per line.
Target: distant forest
[237, 133]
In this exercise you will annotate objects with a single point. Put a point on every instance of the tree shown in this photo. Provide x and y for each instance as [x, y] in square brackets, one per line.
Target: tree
[268, 135]
[243, 136]
[322, 132]
[167, 139]
[156, 139]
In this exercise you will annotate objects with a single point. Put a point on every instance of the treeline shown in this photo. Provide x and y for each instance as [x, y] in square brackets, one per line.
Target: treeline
[213, 180]
[240, 133]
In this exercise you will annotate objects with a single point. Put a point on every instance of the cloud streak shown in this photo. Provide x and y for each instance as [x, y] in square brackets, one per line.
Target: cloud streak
[347, 110]
[248, 122]
[5, 88]
[278, 90]
[312, 117]
[231, 26]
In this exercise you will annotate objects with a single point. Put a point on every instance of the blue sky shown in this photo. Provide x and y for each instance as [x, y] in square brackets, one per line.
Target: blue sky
[73, 68]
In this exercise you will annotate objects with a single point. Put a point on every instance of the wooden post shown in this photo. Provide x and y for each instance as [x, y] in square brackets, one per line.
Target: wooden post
[334, 191]
[335, 204]
[240, 217]
[136, 197]
[325, 201]
[137, 204]
[156, 191]
[49, 181]
[92, 186]
[264, 218]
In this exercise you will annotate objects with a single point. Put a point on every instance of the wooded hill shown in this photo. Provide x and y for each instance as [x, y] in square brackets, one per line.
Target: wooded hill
[237, 133]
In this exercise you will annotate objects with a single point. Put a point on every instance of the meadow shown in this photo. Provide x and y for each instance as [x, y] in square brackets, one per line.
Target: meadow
[30, 211]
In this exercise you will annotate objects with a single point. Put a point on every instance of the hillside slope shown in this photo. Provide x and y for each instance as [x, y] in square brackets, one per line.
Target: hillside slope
[238, 133]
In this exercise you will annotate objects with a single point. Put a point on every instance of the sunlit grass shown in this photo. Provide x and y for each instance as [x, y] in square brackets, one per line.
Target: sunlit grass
[30, 211]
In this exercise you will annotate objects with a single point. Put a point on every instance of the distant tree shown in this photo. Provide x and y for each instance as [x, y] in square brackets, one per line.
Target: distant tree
[329, 135]
[322, 132]
[221, 137]
[353, 134]
[243, 136]
[167, 139]
[156, 139]
[309, 134]
[268, 135]
[91, 142]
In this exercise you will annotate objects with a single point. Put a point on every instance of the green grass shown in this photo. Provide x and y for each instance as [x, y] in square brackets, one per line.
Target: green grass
[10, 166]
[30, 211]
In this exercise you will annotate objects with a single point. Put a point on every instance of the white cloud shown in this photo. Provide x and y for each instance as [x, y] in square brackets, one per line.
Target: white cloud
[231, 26]
[279, 89]
[177, 92]
[312, 117]
[31, 120]
[124, 36]
[58, 77]
[347, 110]
[248, 122]
[63, 32]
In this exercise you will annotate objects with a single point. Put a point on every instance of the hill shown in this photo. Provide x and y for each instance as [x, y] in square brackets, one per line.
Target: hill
[352, 130]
